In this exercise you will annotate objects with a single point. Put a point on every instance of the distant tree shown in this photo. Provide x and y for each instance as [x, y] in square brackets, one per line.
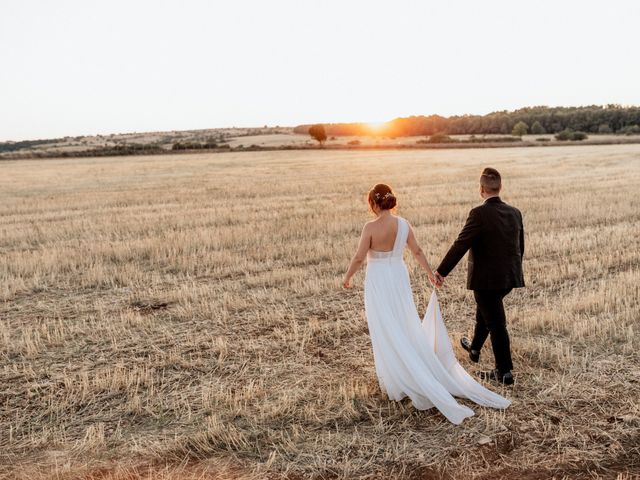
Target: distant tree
[520, 129]
[537, 128]
[318, 132]
[440, 137]
[604, 128]
[568, 134]
[579, 136]
[630, 130]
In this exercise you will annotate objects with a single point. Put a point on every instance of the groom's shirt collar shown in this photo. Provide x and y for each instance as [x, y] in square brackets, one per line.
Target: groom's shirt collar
[491, 198]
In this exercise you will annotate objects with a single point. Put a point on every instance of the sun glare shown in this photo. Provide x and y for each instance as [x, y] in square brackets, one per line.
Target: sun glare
[376, 127]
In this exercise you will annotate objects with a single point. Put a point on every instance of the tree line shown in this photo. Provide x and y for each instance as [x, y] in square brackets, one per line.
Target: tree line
[610, 118]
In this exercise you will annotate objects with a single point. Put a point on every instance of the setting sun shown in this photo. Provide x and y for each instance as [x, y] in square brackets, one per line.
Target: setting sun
[376, 127]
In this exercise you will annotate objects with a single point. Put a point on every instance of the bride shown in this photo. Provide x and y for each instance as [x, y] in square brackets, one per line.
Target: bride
[412, 358]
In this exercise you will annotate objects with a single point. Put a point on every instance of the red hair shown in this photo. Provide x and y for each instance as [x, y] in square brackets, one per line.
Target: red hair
[382, 196]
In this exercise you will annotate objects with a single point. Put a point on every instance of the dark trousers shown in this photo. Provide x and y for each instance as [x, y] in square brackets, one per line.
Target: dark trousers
[491, 320]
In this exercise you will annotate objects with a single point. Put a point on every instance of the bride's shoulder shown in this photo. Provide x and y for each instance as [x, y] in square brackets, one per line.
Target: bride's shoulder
[367, 226]
[402, 219]
[407, 224]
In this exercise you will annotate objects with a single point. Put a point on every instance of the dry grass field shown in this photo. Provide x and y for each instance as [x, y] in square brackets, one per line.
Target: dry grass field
[181, 317]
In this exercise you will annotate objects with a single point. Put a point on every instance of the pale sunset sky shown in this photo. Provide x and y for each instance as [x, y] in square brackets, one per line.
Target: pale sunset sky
[76, 67]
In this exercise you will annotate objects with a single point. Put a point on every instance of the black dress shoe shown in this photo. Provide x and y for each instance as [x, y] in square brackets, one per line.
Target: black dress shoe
[495, 375]
[466, 344]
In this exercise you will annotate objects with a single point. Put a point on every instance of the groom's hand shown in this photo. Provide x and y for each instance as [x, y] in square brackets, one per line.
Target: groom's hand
[439, 280]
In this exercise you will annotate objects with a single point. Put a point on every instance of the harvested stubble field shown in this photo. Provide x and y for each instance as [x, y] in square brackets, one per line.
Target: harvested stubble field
[181, 317]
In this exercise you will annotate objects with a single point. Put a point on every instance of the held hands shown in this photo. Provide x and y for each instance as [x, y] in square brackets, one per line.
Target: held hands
[439, 279]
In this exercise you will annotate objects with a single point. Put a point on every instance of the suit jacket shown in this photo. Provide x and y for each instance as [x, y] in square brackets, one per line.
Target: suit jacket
[494, 234]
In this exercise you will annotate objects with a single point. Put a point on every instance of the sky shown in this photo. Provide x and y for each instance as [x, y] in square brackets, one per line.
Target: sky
[85, 67]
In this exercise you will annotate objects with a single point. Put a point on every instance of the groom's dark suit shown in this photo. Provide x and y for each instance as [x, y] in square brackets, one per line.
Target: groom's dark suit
[494, 234]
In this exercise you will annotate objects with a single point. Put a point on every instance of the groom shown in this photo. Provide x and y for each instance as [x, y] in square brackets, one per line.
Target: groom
[494, 234]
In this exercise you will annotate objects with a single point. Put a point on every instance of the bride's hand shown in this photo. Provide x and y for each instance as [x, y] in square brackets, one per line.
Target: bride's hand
[432, 279]
[346, 282]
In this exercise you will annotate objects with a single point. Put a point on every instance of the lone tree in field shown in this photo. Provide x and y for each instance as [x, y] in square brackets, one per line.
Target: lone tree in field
[520, 129]
[318, 132]
[537, 128]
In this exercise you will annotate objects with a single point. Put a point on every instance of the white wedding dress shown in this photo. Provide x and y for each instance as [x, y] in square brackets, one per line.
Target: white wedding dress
[415, 358]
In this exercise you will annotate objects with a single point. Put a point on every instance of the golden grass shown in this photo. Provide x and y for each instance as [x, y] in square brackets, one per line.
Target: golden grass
[180, 317]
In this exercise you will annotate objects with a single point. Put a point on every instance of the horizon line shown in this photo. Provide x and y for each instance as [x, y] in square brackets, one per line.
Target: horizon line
[136, 132]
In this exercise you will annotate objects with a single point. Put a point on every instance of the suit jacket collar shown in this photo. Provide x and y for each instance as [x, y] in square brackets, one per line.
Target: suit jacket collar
[493, 200]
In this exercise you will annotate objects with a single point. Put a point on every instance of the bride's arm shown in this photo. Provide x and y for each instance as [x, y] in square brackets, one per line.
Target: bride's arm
[359, 256]
[419, 255]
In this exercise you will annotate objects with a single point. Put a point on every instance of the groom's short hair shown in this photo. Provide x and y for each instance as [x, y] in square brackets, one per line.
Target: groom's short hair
[491, 180]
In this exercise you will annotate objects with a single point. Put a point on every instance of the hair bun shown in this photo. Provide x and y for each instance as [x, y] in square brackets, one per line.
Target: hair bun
[382, 196]
[388, 201]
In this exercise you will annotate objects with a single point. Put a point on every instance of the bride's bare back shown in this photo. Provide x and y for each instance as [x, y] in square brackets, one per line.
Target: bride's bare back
[383, 231]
